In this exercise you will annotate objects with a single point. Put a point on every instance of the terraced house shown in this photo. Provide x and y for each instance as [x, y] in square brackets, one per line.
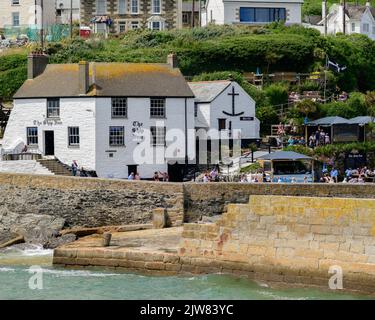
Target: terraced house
[116, 16]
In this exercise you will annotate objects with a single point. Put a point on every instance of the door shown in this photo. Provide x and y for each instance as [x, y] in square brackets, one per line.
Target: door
[49, 143]
[222, 125]
[132, 168]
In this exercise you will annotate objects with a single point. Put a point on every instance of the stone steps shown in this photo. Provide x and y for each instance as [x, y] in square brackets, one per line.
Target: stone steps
[56, 167]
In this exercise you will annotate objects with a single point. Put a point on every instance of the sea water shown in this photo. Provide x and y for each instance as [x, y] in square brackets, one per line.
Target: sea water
[102, 283]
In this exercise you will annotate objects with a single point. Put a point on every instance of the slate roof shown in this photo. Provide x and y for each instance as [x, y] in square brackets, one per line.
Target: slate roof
[285, 155]
[207, 91]
[108, 80]
[328, 121]
[361, 120]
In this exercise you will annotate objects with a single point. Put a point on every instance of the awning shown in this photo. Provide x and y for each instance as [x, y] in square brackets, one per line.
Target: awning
[328, 121]
[361, 120]
[285, 155]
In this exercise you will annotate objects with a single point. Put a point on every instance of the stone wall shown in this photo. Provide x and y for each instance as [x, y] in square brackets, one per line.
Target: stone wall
[87, 202]
[208, 199]
[289, 239]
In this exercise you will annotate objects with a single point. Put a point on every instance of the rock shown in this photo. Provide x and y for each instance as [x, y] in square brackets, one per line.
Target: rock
[59, 241]
[106, 239]
[12, 242]
[159, 218]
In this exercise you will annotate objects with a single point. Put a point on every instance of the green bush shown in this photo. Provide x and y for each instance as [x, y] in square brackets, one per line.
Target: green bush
[12, 61]
[11, 81]
[277, 93]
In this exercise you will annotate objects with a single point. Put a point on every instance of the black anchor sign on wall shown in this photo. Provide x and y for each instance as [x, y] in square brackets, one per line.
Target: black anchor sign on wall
[233, 114]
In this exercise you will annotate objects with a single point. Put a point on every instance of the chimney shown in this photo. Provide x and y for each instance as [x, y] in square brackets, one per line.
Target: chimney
[36, 64]
[368, 4]
[83, 77]
[172, 60]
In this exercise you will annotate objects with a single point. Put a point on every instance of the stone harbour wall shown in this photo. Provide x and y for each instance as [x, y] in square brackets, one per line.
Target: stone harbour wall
[86, 202]
[209, 199]
[289, 239]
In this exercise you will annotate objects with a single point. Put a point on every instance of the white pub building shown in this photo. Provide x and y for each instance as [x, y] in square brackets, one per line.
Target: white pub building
[117, 118]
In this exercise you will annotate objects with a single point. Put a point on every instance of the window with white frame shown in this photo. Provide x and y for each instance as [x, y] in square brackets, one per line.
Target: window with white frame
[134, 6]
[53, 108]
[121, 6]
[195, 110]
[157, 108]
[155, 25]
[116, 136]
[134, 25]
[157, 136]
[101, 6]
[353, 27]
[15, 2]
[121, 26]
[156, 6]
[16, 19]
[73, 136]
[366, 27]
[119, 107]
[32, 136]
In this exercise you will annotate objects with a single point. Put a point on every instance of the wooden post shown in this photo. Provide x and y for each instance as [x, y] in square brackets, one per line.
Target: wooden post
[107, 239]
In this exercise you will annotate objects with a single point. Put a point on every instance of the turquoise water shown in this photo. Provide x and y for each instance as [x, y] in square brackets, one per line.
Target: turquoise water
[99, 283]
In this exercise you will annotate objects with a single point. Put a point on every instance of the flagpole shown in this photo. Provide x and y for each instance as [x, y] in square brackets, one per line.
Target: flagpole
[325, 78]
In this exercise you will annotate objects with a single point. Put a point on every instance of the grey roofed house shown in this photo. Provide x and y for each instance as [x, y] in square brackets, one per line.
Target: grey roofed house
[188, 6]
[207, 91]
[361, 120]
[285, 155]
[108, 80]
[328, 121]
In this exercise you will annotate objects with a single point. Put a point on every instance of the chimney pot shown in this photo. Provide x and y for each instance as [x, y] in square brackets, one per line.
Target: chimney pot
[172, 60]
[83, 77]
[37, 62]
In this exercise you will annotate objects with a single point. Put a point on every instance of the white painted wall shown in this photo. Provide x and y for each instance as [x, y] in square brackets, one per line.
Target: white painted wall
[24, 166]
[210, 112]
[227, 11]
[138, 110]
[73, 112]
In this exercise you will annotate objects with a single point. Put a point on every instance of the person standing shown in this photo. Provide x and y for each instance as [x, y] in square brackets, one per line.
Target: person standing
[131, 176]
[334, 175]
[74, 168]
[137, 176]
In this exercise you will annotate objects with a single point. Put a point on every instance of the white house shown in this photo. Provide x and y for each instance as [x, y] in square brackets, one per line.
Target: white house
[26, 13]
[64, 9]
[225, 106]
[114, 118]
[358, 19]
[254, 12]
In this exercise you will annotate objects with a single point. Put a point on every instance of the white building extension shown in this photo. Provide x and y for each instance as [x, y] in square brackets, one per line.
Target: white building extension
[112, 118]
[225, 106]
[63, 11]
[358, 19]
[251, 12]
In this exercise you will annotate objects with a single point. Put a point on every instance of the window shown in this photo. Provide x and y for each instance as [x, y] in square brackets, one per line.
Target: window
[157, 108]
[121, 26]
[157, 136]
[373, 30]
[185, 18]
[73, 136]
[134, 6]
[32, 136]
[15, 2]
[155, 25]
[101, 28]
[16, 19]
[222, 125]
[119, 107]
[262, 15]
[134, 25]
[353, 27]
[155, 6]
[53, 108]
[195, 110]
[366, 27]
[101, 6]
[121, 7]
[116, 136]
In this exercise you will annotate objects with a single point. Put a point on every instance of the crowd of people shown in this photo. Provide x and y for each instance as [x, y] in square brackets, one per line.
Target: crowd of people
[292, 141]
[359, 175]
[319, 138]
[79, 171]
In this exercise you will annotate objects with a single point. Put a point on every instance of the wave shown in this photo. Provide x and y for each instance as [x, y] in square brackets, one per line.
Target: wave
[4, 269]
[27, 250]
[78, 273]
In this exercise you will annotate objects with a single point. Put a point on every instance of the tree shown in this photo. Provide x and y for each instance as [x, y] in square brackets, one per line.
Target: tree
[370, 106]
[306, 107]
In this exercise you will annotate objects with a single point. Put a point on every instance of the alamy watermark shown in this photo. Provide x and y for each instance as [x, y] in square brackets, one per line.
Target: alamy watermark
[36, 280]
[335, 282]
